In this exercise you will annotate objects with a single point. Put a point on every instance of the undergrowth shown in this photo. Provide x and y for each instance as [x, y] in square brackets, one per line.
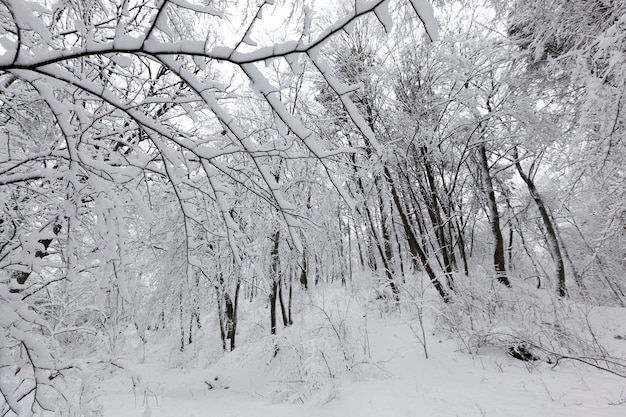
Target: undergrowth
[484, 313]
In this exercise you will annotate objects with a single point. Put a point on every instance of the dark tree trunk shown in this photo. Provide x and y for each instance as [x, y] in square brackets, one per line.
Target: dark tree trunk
[182, 325]
[304, 281]
[380, 246]
[234, 318]
[494, 217]
[275, 277]
[460, 242]
[220, 316]
[273, 297]
[550, 228]
[429, 194]
[283, 308]
[229, 319]
[290, 298]
[417, 253]
[387, 251]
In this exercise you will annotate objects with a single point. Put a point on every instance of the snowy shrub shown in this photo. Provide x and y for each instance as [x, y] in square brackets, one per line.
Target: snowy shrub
[309, 368]
[303, 362]
[51, 361]
[484, 313]
[27, 370]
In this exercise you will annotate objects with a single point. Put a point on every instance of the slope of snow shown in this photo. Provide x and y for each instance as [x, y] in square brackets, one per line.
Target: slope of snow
[389, 375]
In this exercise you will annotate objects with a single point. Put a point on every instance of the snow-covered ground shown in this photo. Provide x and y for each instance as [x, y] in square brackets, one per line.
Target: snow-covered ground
[388, 376]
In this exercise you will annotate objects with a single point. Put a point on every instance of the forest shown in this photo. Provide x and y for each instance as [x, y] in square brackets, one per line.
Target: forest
[204, 182]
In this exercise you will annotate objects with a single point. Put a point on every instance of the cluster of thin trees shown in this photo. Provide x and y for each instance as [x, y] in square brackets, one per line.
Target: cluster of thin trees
[155, 154]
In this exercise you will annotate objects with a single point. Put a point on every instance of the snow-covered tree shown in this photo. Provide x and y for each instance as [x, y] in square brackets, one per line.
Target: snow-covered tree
[110, 109]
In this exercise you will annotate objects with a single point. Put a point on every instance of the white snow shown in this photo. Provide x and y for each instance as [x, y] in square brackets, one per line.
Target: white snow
[390, 375]
[127, 42]
[383, 15]
[198, 7]
[425, 11]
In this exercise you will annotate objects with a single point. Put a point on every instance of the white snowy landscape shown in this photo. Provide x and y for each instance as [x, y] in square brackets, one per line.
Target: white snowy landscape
[274, 208]
[350, 356]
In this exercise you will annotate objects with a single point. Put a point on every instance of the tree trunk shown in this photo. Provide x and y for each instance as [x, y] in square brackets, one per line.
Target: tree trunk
[494, 217]
[550, 227]
[460, 242]
[283, 308]
[304, 281]
[387, 252]
[234, 318]
[290, 299]
[273, 298]
[275, 277]
[381, 246]
[182, 324]
[429, 194]
[229, 316]
[417, 254]
[220, 316]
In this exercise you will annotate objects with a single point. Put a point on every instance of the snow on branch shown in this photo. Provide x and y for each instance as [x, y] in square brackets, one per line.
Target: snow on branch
[139, 92]
[41, 49]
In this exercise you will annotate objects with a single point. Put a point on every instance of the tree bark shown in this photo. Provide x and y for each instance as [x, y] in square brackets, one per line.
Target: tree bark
[283, 308]
[494, 217]
[275, 277]
[429, 193]
[417, 253]
[220, 316]
[550, 227]
[236, 303]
